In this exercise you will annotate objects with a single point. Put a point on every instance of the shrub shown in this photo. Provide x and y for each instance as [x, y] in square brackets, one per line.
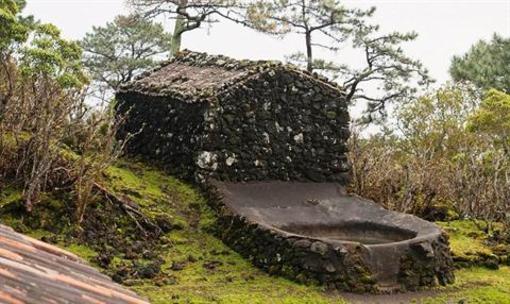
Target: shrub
[447, 150]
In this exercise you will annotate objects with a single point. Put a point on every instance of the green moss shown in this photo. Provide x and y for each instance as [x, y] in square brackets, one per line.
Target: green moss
[331, 114]
[476, 285]
[82, 251]
[157, 193]
[213, 273]
[10, 195]
[466, 240]
[67, 154]
[9, 141]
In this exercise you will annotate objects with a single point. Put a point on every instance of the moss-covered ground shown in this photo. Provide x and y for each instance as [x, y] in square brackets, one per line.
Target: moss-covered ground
[465, 238]
[475, 285]
[471, 246]
[196, 267]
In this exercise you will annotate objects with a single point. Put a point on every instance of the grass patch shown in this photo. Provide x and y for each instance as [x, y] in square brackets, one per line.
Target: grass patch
[476, 285]
[82, 251]
[156, 193]
[212, 273]
[10, 195]
[209, 272]
[198, 268]
[466, 240]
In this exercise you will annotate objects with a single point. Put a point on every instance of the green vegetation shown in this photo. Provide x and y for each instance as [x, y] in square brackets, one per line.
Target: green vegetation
[157, 194]
[447, 151]
[486, 64]
[42, 110]
[198, 268]
[121, 49]
[211, 272]
[466, 239]
[9, 195]
[475, 285]
[80, 250]
[206, 271]
[13, 28]
[471, 246]
[493, 119]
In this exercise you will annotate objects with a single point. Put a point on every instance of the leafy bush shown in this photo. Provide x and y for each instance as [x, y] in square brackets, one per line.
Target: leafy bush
[448, 154]
[42, 107]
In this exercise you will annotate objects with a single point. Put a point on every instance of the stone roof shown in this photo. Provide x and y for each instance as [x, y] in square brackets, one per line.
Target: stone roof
[32, 271]
[193, 76]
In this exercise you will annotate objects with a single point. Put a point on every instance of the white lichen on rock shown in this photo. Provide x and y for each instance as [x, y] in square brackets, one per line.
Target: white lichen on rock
[299, 138]
[230, 160]
[207, 160]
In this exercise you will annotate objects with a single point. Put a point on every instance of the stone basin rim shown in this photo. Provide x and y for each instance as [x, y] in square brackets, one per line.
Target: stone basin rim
[285, 233]
[382, 222]
[295, 229]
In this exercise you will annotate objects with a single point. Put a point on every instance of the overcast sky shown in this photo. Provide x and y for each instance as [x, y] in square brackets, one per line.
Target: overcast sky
[445, 28]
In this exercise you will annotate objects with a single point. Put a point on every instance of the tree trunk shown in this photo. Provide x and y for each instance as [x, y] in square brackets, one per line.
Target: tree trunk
[5, 98]
[309, 59]
[177, 36]
[178, 29]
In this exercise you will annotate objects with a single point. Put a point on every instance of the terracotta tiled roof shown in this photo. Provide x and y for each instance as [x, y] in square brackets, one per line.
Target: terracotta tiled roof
[33, 272]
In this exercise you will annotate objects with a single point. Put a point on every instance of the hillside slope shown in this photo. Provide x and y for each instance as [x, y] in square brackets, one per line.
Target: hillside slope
[162, 245]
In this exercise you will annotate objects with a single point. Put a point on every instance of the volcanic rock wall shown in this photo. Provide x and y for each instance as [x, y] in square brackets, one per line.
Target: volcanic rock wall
[167, 132]
[276, 127]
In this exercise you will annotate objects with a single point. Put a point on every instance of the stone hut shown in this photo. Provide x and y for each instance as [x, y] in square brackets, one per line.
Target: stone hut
[203, 116]
[269, 141]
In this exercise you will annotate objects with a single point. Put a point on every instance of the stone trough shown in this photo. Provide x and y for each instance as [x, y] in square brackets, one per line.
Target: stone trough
[315, 232]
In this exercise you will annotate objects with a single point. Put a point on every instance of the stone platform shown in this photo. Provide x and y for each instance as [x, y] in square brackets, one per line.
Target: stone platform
[317, 233]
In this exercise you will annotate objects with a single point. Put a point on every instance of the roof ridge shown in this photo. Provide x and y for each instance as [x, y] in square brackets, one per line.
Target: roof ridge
[245, 68]
[202, 59]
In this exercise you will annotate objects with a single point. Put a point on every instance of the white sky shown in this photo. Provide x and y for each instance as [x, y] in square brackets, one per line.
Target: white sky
[445, 28]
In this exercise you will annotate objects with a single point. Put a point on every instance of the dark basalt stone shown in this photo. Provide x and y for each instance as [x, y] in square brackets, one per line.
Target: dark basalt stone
[211, 118]
[200, 118]
[338, 240]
